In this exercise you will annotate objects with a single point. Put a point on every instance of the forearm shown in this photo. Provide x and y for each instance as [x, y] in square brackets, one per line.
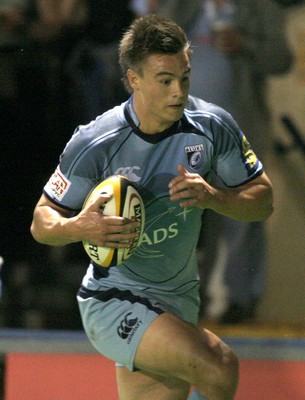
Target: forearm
[253, 203]
[52, 228]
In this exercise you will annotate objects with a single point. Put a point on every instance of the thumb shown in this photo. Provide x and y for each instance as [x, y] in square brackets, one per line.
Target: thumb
[182, 170]
[102, 199]
[98, 202]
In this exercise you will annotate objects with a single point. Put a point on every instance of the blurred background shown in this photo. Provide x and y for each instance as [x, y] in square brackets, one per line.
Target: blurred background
[57, 71]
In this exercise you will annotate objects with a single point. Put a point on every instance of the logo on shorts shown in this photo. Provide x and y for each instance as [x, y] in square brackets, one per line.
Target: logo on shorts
[194, 155]
[128, 327]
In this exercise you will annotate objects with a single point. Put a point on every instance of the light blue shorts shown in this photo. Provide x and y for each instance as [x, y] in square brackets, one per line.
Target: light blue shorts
[115, 320]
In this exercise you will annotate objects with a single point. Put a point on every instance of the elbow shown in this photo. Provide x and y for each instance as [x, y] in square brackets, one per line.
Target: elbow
[267, 201]
[35, 233]
[38, 234]
[263, 208]
[259, 215]
[267, 208]
[267, 205]
[268, 211]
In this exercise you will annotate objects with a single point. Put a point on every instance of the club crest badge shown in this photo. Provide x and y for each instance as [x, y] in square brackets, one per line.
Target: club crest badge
[194, 154]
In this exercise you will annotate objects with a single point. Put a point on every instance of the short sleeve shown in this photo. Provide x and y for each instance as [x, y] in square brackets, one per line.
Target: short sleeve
[234, 161]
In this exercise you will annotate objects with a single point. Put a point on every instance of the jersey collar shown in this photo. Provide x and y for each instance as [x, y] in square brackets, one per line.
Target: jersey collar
[134, 122]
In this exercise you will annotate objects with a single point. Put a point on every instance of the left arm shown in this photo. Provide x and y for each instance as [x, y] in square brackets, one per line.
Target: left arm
[252, 201]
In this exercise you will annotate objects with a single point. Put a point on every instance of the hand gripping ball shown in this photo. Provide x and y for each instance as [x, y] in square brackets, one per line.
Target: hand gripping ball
[126, 202]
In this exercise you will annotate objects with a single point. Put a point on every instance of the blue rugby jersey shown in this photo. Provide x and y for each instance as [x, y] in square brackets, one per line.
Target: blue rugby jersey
[205, 140]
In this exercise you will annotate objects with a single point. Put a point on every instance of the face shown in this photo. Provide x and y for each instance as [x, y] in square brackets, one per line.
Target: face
[161, 90]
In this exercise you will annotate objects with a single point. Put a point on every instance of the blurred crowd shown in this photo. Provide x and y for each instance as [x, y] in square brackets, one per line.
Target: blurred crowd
[58, 68]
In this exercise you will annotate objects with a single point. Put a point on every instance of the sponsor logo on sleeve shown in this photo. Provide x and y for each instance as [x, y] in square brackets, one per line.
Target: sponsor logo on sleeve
[59, 184]
[249, 155]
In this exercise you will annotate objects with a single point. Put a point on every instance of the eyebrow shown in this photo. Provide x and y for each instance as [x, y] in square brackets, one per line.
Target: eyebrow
[171, 74]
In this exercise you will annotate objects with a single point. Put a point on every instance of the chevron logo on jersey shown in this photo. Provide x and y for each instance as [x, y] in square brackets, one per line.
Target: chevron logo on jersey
[194, 154]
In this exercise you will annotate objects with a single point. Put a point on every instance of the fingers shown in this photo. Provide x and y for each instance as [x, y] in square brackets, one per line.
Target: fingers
[182, 173]
[120, 224]
[118, 240]
[182, 185]
[187, 196]
[115, 232]
[187, 188]
[106, 230]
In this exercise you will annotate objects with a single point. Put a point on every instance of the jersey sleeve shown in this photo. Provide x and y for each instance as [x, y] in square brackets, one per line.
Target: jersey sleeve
[74, 177]
[234, 161]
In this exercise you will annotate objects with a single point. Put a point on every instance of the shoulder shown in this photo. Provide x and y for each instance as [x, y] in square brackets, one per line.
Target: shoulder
[105, 127]
[209, 116]
[108, 123]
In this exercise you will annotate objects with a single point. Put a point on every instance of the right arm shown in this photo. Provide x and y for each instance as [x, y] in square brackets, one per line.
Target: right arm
[55, 226]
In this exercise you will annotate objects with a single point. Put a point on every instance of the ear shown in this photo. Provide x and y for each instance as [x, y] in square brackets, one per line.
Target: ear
[133, 79]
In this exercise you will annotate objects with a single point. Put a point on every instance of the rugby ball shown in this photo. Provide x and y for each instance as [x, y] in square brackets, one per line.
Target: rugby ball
[126, 202]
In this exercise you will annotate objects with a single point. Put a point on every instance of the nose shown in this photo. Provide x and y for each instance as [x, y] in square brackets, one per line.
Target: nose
[178, 89]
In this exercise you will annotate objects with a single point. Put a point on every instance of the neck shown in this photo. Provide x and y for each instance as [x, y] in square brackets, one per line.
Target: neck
[147, 123]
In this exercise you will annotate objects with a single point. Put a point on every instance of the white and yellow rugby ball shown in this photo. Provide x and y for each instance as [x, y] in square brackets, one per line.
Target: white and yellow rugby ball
[125, 202]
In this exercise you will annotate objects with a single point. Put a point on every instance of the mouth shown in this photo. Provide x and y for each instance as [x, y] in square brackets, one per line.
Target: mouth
[176, 106]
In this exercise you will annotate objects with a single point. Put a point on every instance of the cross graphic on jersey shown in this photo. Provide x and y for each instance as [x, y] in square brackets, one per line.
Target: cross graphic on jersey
[184, 212]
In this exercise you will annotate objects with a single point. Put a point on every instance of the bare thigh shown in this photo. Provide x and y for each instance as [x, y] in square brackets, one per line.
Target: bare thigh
[174, 355]
[143, 385]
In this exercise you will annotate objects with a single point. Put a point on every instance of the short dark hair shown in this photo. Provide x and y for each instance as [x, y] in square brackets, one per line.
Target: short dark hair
[147, 35]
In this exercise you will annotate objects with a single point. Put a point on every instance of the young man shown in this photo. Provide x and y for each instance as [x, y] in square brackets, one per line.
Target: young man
[238, 45]
[143, 313]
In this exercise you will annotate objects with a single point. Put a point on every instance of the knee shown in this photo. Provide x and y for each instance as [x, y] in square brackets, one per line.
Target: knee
[229, 374]
[220, 381]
